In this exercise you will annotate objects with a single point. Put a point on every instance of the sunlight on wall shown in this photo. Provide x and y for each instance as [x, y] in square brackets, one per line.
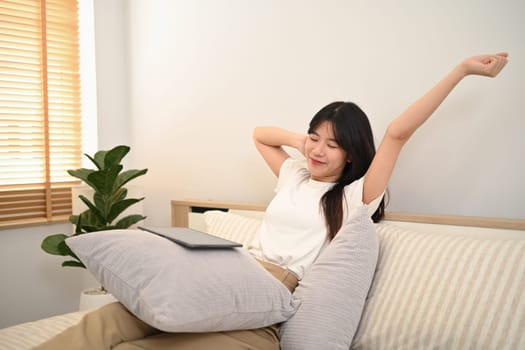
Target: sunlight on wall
[88, 78]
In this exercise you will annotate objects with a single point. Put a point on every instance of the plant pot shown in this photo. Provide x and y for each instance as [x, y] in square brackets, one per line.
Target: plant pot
[94, 298]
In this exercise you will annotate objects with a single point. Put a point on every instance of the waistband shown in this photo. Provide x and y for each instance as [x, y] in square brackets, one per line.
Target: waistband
[282, 274]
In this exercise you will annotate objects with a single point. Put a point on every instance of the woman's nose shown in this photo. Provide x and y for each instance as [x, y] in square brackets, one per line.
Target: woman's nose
[319, 149]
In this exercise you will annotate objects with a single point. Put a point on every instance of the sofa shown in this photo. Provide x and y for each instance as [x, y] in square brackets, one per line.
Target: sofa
[434, 286]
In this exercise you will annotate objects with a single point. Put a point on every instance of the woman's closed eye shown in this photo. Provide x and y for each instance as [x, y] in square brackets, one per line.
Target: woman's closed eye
[314, 137]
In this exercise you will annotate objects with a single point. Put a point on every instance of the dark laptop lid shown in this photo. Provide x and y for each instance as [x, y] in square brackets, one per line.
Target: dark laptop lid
[190, 238]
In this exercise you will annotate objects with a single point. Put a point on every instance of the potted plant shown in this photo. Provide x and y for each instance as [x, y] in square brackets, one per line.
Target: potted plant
[108, 203]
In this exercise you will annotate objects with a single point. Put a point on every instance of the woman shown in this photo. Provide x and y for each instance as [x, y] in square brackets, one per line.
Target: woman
[342, 171]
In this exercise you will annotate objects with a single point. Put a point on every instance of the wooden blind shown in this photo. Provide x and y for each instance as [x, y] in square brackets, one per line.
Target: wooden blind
[40, 109]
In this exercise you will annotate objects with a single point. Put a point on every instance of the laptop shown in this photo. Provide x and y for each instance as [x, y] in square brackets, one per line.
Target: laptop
[190, 238]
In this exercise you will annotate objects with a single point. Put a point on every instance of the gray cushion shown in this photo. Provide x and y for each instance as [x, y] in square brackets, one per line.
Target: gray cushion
[334, 290]
[176, 289]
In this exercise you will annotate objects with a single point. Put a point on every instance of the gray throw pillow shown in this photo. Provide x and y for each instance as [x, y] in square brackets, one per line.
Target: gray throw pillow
[176, 289]
[334, 289]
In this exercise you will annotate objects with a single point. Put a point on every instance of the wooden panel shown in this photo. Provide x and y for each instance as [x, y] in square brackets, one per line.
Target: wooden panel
[181, 208]
[220, 205]
[510, 224]
[179, 213]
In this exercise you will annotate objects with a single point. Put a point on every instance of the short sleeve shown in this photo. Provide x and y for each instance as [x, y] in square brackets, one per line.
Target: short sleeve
[354, 197]
[291, 169]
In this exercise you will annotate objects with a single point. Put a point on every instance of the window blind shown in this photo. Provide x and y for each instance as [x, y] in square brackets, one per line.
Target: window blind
[40, 109]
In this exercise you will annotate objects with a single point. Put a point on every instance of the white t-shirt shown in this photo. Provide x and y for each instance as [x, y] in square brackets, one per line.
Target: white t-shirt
[293, 231]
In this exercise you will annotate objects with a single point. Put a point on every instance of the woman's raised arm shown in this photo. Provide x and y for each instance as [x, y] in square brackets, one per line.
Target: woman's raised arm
[401, 128]
[270, 140]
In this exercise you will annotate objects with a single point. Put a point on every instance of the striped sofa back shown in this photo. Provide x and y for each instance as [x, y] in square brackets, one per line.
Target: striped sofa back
[439, 291]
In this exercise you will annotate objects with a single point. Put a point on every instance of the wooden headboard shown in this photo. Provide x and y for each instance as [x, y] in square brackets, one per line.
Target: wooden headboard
[180, 210]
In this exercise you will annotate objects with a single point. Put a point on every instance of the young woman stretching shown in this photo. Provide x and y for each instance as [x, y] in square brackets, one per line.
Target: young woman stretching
[342, 171]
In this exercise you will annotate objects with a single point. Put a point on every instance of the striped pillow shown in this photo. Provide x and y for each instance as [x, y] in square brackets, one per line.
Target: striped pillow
[334, 289]
[231, 226]
[435, 291]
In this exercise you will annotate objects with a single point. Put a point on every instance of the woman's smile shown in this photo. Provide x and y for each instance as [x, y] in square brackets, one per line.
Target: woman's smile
[315, 162]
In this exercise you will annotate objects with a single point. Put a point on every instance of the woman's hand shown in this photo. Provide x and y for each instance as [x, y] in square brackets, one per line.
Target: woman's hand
[301, 143]
[486, 65]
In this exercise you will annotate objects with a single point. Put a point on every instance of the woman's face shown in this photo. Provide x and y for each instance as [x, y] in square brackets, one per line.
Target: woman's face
[326, 160]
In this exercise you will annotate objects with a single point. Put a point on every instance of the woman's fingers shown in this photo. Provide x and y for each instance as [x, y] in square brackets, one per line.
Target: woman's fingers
[496, 64]
[487, 65]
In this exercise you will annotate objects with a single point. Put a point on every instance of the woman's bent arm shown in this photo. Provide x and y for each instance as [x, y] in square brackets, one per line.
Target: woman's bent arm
[270, 141]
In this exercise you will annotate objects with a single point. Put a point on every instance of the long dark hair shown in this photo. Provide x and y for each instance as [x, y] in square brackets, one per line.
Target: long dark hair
[353, 133]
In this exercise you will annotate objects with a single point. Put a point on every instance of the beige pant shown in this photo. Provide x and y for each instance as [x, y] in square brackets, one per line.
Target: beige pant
[114, 327]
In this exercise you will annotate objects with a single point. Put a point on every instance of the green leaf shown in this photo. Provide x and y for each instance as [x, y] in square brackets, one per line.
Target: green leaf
[129, 175]
[76, 220]
[99, 159]
[100, 201]
[119, 195]
[51, 244]
[87, 220]
[93, 209]
[115, 155]
[115, 197]
[73, 219]
[129, 220]
[73, 263]
[94, 161]
[83, 175]
[91, 228]
[120, 206]
[104, 180]
[64, 248]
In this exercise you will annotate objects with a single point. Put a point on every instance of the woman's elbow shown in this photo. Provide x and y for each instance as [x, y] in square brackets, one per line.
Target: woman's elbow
[395, 133]
[255, 133]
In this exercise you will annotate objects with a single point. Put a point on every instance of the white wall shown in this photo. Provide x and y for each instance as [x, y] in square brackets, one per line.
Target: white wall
[204, 73]
[33, 283]
[114, 122]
